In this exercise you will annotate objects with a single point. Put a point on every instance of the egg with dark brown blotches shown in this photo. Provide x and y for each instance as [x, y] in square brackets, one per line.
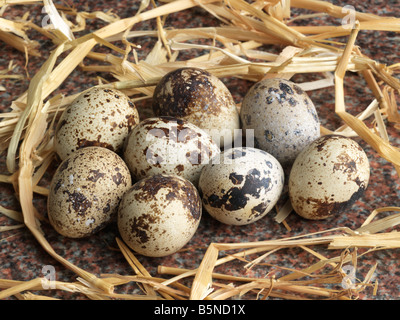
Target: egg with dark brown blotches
[201, 98]
[242, 186]
[98, 117]
[159, 215]
[283, 117]
[85, 191]
[328, 176]
[168, 145]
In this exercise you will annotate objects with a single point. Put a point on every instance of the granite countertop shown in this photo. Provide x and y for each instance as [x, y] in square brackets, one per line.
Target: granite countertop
[22, 258]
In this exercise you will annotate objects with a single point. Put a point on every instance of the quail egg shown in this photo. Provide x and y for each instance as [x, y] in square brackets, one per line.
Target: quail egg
[200, 98]
[85, 191]
[328, 176]
[98, 117]
[282, 116]
[242, 187]
[168, 145]
[159, 214]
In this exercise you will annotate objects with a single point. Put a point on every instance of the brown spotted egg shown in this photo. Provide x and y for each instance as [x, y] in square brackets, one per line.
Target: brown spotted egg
[98, 117]
[201, 98]
[159, 215]
[168, 145]
[242, 187]
[328, 176]
[85, 191]
[282, 116]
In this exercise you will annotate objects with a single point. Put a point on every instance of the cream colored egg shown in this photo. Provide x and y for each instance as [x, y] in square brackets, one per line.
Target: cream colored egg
[97, 117]
[168, 145]
[201, 98]
[282, 116]
[159, 215]
[85, 191]
[242, 187]
[328, 176]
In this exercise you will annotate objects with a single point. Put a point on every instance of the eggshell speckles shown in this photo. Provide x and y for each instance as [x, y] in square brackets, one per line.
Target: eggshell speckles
[168, 145]
[85, 191]
[243, 187]
[159, 215]
[282, 116]
[98, 117]
[201, 98]
[328, 176]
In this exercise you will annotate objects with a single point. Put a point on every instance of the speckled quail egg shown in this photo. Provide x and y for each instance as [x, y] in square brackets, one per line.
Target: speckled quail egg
[168, 145]
[282, 116]
[328, 176]
[98, 117]
[243, 187]
[158, 215]
[85, 191]
[200, 98]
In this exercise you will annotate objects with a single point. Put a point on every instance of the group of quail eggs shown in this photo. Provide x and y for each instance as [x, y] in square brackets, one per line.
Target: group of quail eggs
[156, 176]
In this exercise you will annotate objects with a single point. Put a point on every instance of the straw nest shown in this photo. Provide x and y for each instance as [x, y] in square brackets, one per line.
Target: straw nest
[238, 48]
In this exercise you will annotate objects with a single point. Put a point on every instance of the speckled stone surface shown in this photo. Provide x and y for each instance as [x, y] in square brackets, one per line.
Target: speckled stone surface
[22, 258]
